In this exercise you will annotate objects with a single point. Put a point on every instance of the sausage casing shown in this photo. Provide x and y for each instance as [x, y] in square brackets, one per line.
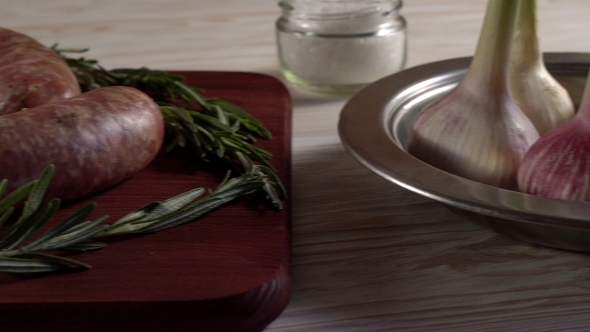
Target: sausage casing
[31, 74]
[95, 140]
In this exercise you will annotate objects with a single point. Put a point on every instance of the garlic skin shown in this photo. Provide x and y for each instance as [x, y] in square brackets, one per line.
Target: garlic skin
[484, 139]
[558, 164]
[477, 130]
[546, 103]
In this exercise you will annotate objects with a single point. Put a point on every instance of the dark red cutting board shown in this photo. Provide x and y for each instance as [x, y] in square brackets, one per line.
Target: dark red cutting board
[228, 271]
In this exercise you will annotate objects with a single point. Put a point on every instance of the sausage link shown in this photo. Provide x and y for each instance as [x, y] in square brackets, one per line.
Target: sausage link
[31, 74]
[95, 140]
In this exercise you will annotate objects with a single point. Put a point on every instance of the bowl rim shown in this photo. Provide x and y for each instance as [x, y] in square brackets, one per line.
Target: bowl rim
[365, 130]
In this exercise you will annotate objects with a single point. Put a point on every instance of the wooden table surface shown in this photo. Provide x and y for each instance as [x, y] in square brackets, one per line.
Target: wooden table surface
[367, 255]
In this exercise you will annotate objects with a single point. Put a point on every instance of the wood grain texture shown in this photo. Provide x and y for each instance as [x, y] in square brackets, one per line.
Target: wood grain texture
[367, 255]
[227, 271]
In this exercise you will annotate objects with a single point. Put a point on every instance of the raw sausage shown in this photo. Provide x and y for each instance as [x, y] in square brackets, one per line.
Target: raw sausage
[95, 140]
[31, 74]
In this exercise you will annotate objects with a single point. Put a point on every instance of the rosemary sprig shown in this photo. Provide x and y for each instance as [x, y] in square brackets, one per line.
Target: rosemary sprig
[213, 129]
[24, 250]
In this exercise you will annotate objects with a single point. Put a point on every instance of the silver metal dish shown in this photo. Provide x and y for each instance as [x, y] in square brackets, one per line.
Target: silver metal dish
[374, 126]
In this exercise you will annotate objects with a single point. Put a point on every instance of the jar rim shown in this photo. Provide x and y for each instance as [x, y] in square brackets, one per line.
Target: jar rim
[321, 9]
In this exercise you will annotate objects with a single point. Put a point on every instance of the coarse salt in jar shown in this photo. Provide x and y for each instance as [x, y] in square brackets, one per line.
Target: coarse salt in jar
[337, 47]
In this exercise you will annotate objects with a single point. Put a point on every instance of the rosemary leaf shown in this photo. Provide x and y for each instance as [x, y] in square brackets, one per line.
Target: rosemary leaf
[6, 215]
[16, 196]
[157, 210]
[31, 224]
[66, 240]
[206, 205]
[85, 246]
[64, 261]
[62, 226]
[25, 266]
[3, 185]
[37, 192]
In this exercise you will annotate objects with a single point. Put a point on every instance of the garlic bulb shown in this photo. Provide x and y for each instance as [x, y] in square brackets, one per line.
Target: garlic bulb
[477, 130]
[558, 164]
[545, 102]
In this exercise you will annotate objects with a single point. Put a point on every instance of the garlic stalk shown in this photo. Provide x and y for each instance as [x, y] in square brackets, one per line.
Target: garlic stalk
[545, 102]
[558, 164]
[477, 130]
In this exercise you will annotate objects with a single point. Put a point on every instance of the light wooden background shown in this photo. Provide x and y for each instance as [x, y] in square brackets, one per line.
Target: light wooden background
[367, 255]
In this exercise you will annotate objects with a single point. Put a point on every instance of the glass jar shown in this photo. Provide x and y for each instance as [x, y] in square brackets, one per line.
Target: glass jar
[340, 46]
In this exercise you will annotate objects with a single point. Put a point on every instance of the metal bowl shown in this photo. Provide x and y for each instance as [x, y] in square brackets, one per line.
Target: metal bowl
[374, 126]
